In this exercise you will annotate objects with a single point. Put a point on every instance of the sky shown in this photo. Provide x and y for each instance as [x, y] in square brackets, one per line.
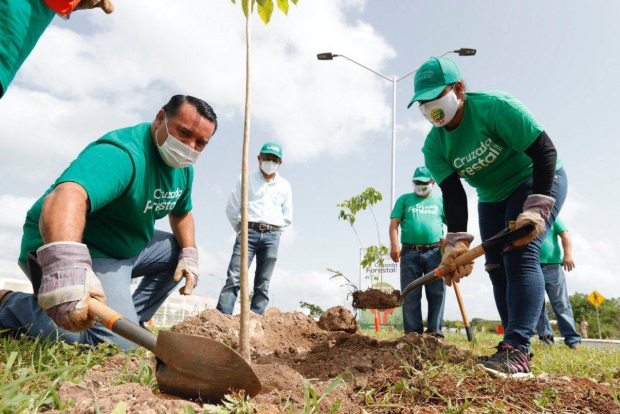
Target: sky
[96, 73]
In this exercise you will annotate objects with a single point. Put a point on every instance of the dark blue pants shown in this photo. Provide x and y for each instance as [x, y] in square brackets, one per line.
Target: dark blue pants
[518, 281]
[414, 265]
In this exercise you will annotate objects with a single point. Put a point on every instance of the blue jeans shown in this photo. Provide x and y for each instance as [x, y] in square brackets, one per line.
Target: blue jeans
[156, 262]
[263, 245]
[518, 281]
[413, 265]
[555, 285]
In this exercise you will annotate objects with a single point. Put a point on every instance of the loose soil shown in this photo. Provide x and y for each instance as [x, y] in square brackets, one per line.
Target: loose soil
[375, 299]
[291, 352]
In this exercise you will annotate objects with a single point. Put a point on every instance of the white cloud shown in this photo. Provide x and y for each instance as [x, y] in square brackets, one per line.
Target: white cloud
[412, 130]
[11, 222]
[75, 87]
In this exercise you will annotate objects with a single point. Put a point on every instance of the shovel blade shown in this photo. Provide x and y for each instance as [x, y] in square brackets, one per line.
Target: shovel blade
[192, 366]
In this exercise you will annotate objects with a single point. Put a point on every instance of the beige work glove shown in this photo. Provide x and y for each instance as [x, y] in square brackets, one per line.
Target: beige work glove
[187, 268]
[106, 5]
[68, 282]
[536, 210]
[456, 245]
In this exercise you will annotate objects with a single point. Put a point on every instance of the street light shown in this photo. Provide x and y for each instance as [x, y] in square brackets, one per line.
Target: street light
[394, 80]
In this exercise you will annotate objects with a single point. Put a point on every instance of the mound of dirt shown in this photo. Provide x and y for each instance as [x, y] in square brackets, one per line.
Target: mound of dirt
[293, 354]
[274, 332]
[375, 299]
[338, 318]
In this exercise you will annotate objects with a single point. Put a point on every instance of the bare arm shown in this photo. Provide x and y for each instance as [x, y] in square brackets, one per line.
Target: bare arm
[183, 229]
[63, 216]
[395, 246]
[567, 246]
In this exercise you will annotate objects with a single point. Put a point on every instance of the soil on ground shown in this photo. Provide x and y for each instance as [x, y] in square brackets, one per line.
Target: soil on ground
[375, 299]
[292, 354]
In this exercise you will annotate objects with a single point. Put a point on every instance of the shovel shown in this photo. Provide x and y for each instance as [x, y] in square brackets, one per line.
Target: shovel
[188, 366]
[501, 239]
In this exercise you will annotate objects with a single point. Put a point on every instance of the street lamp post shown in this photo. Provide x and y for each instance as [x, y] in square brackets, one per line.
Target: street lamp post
[394, 80]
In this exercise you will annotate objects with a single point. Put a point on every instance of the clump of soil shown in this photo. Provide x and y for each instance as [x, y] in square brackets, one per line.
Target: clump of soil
[338, 318]
[375, 299]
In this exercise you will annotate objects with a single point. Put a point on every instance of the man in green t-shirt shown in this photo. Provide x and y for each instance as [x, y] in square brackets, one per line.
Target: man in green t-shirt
[22, 23]
[551, 262]
[94, 229]
[421, 218]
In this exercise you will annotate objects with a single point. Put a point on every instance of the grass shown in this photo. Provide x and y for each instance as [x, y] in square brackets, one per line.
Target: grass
[31, 373]
[32, 370]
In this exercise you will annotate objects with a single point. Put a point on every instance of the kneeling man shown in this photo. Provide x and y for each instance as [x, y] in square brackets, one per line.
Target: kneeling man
[94, 229]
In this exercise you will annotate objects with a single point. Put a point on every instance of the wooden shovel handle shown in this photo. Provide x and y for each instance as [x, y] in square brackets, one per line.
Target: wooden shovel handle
[120, 325]
[504, 237]
[459, 299]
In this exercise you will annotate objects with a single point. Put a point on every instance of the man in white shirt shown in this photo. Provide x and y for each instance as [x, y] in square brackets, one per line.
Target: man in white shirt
[270, 211]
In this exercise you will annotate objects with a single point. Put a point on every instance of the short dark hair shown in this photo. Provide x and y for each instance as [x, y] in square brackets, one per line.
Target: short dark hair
[204, 109]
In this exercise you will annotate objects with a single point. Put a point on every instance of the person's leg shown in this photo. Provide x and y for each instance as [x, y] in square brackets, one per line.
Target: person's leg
[543, 326]
[21, 311]
[435, 291]
[525, 280]
[410, 269]
[156, 263]
[491, 222]
[555, 283]
[266, 257]
[228, 295]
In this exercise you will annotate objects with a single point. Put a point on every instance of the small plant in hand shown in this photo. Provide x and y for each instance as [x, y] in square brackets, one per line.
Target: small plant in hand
[370, 298]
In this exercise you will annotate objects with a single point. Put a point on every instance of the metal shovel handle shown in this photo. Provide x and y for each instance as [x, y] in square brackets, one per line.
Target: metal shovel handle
[120, 325]
[501, 239]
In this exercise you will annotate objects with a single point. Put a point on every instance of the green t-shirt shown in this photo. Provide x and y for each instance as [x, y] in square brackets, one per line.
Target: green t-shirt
[22, 22]
[129, 187]
[422, 219]
[550, 251]
[487, 148]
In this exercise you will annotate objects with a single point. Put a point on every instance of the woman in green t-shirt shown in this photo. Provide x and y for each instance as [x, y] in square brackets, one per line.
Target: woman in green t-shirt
[495, 144]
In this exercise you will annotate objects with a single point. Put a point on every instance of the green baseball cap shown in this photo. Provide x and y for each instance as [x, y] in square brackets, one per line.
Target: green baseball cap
[272, 148]
[432, 77]
[422, 174]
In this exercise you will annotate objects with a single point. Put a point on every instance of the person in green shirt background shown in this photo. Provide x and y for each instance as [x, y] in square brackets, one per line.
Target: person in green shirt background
[493, 142]
[22, 23]
[551, 261]
[421, 218]
[94, 229]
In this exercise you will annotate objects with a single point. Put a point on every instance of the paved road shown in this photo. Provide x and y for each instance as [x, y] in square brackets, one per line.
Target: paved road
[597, 343]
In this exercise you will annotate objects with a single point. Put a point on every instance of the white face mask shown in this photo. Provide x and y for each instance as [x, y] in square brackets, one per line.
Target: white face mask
[422, 189]
[269, 167]
[175, 153]
[441, 111]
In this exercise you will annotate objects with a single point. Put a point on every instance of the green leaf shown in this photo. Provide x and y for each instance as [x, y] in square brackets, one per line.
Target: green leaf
[265, 10]
[294, 2]
[233, 1]
[121, 408]
[244, 6]
[283, 5]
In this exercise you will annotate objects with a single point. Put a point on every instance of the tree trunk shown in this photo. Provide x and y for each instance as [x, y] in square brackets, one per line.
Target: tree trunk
[244, 338]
